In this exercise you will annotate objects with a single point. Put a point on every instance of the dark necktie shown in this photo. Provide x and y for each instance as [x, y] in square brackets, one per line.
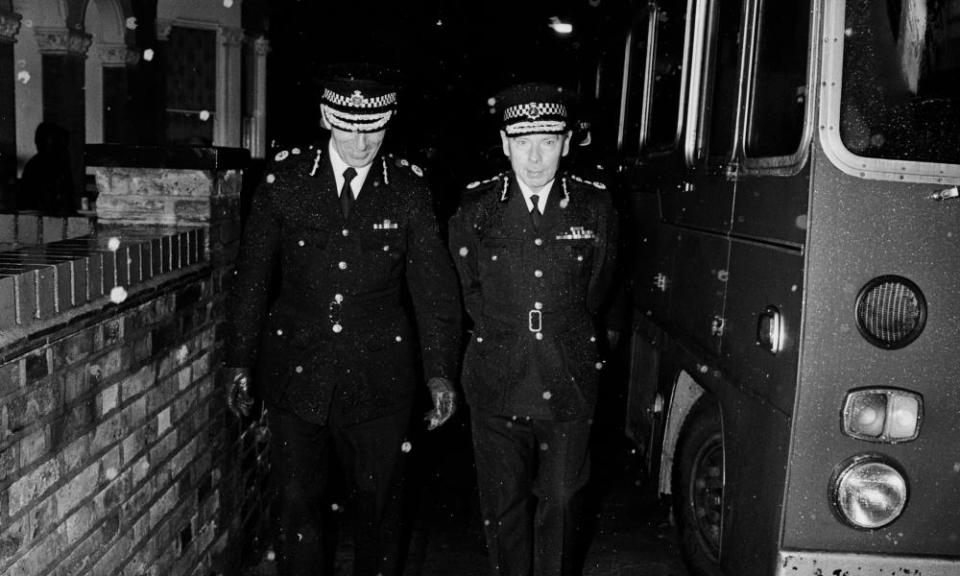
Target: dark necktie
[346, 194]
[535, 211]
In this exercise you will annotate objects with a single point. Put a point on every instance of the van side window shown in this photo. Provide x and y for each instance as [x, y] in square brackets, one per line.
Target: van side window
[667, 72]
[634, 102]
[721, 104]
[778, 96]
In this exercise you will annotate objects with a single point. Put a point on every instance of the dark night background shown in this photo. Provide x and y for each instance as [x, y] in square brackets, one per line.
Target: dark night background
[452, 56]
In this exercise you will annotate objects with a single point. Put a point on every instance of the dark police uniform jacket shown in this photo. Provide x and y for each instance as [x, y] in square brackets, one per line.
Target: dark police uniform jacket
[338, 340]
[533, 294]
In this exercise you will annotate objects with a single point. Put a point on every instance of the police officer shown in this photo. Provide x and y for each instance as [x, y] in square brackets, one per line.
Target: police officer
[352, 235]
[534, 249]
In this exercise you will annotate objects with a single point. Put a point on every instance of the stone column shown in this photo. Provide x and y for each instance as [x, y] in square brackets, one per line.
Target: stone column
[258, 112]
[118, 62]
[227, 121]
[62, 58]
[9, 27]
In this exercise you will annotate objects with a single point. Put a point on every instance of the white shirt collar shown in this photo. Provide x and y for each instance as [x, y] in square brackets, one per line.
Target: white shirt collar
[542, 194]
[339, 166]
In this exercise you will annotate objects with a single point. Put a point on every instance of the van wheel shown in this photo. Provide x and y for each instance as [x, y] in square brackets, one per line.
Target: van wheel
[698, 489]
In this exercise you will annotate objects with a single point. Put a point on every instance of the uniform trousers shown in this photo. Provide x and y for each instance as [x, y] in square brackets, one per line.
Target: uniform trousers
[370, 455]
[530, 473]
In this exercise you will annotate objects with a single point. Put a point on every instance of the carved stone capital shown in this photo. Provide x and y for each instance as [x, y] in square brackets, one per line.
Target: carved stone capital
[231, 36]
[9, 26]
[118, 55]
[261, 46]
[62, 41]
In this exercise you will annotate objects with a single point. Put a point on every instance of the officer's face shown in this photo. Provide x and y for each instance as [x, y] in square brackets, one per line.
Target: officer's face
[535, 157]
[357, 149]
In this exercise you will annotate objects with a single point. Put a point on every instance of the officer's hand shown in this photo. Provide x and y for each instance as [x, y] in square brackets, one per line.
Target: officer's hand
[444, 402]
[239, 400]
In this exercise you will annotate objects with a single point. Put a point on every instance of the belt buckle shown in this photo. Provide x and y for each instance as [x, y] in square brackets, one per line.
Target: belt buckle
[534, 320]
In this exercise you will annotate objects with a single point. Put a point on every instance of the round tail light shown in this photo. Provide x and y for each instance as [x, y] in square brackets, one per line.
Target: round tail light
[891, 312]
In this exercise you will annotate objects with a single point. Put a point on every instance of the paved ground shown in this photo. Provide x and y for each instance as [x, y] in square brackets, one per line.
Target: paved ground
[630, 532]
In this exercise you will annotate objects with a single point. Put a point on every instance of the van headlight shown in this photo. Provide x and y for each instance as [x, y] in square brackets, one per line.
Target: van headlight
[869, 492]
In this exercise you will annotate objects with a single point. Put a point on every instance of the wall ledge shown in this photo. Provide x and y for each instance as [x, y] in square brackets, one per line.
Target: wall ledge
[217, 158]
[45, 286]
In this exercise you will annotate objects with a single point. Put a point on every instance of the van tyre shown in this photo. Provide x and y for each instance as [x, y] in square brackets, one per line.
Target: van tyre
[698, 488]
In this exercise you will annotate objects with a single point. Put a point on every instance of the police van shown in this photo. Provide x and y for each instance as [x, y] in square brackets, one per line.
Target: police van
[790, 174]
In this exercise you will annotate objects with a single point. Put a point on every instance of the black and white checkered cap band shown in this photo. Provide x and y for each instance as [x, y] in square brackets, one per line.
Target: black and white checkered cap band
[534, 110]
[535, 118]
[354, 122]
[358, 100]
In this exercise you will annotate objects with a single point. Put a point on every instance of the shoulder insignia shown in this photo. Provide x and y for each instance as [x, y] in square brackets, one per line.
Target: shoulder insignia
[404, 163]
[295, 151]
[281, 156]
[316, 162]
[597, 185]
[490, 180]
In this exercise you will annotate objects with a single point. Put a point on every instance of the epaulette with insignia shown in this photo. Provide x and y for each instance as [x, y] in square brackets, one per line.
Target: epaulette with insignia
[316, 161]
[404, 163]
[480, 183]
[597, 185]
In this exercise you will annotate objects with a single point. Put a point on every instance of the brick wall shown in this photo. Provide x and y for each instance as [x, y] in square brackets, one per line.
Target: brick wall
[117, 455]
[30, 228]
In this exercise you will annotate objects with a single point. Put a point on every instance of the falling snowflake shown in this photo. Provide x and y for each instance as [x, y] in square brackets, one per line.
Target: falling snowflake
[544, 446]
[335, 507]
[271, 178]
[118, 294]
[464, 251]
[204, 115]
[182, 354]
[547, 395]
[132, 23]
[271, 555]
[113, 244]
[406, 446]
[111, 473]
[23, 76]
[491, 101]
[228, 3]
[148, 54]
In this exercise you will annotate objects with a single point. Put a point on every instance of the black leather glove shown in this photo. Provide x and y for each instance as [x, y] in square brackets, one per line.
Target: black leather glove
[238, 381]
[444, 402]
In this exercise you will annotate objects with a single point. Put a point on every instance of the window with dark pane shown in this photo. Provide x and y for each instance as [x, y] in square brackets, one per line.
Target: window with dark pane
[721, 95]
[191, 85]
[634, 105]
[779, 95]
[667, 72]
